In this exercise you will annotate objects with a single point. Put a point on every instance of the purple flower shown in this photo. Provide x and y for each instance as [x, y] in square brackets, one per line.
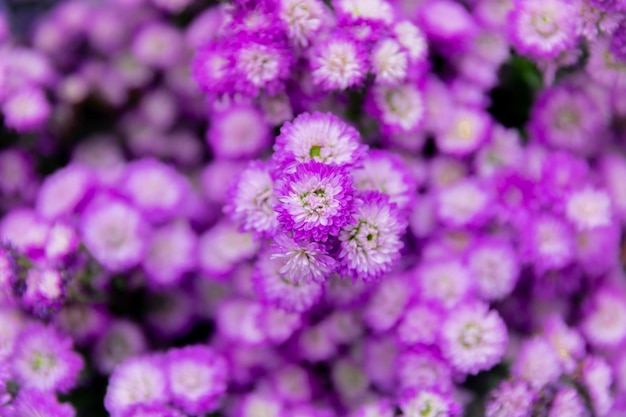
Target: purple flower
[34, 403]
[416, 403]
[338, 62]
[62, 192]
[197, 378]
[44, 360]
[302, 19]
[302, 261]
[370, 247]
[510, 399]
[26, 110]
[158, 44]
[315, 201]
[474, 338]
[387, 304]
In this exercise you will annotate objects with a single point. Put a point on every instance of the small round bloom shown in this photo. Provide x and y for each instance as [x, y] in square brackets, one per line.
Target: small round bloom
[473, 338]
[283, 291]
[389, 62]
[44, 360]
[45, 288]
[567, 403]
[510, 399]
[260, 64]
[495, 269]
[425, 403]
[567, 342]
[463, 203]
[604, 67]
[420, 325]
[62, 192]
[62, 242]
[321, 137]
[386, 173]
[302, 261]
[26, 110]
[387, 304]
[413, 40]
[537, 363]
[26, 231]
[222, 247]
[338, 63]
[141, 380]
[158, 44]
[401, 107]
[252, 200]
[370, 247]
[114, 233]
[349, 379]
[604, 324]
[238, 132]
[302, 18]
[549, 242]
[543, 29]
[466, 132]
[424, 369]
[170, 253]
[589, 208]
[373, 10]
[122, 339]
[155, 188]
[315, 201]
[597, 378]
[197, 378]
[447, 23]
[35, 403]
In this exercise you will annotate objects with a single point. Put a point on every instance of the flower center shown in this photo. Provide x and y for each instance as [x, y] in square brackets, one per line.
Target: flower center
[545, 25]
[471, 336]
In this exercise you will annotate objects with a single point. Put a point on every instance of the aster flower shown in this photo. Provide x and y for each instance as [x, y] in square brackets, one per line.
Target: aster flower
[386, 173]
[567, 403]
[537, 363]
[373, 10]
[495, 269]
[370, 247]
[303, 19]
[45, 289]
[315, 345]
[35, 403]
[114, 233]
[338, 63]
[543, 29]
[62, 192]
[389, 62]
[510, 399]
[158, 44]
[473, 338]
[11, 323]
[447, 23]
[387, 304]
[420, 324]
[238, 132]
[400, 108]
[315, 201]
[26, 110]
[44, 360]
[141, 380]
[428, 404]
[413, 40]
[464, 203]
[604, 324]
[197, 378]
[597, 378]
[293, 384]
[466, 132]
[259, 64]
[349, 380]
[302, 261]
[282, 291]
[568, 343]
[279, 324]
[379, 408]
[61, 243]
[238, 319]
[320, 137]
[548, 241]
[211, 67]
[588, 208]
[422, 368]
[222, 247]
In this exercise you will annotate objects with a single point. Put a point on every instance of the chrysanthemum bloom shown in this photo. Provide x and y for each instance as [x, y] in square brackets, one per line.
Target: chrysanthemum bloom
[274, 287]
[495, 269]
[170, 253]
[370, 247]
[11, 323]
[372, 10]
[604, 67]
[212, 67]
[238, 320]
[389, 62]
[141, 380]
[45, 288]
[260, 404]
[17, 175]
[141, 410]
[303, 19]
[567, 343]
[464, 203]
[386, 173]
[400, 108]
[537, 363]
[155, 188]
[379, 360]
[447, 23]
[222, 247]
[31, 402]
[260, 64]
[238, 132]
[418, 403]
[25, 230]
[349, 380]
[510, 399]
[26, 110]
[44, 360]
[302, 261]
[338, 62]
[293, 384]
[466, 132]
[543, 29]
[597, 249]
[414, 41]
[567, 403]
[197, 378]
[279, 324]
[62, 192]
[604, 324]
[315, 201]
[61, 243]
[158, 44]
[379, 408]
[315, 345]
[420, 325]
[548, 242]
[589, 208]
[158, 108]
[387, 304]
[320, 137]
[568, 118]
[251, 200]
[120, 340]
[473, 338]
[344, 326]
[423, 369]
[114, 233]
[597, 379]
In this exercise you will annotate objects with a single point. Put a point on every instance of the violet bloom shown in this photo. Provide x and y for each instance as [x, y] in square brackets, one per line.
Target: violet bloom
[510, 399]
[338, 62]
[537, 363]
[315, 201]
[44, 360]
[400, 108]
[114, 233]
[474, 338]
[302, 19]
[418, 403]
[370, 247]
[63, 192]
[238, 132]
[197, 378]
[158, 44]
[38, 403]
[26, 110]
[302, 261]
[320, 137]
[282, 291]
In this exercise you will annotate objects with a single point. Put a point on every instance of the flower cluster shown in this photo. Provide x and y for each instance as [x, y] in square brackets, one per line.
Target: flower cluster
[307, 208]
